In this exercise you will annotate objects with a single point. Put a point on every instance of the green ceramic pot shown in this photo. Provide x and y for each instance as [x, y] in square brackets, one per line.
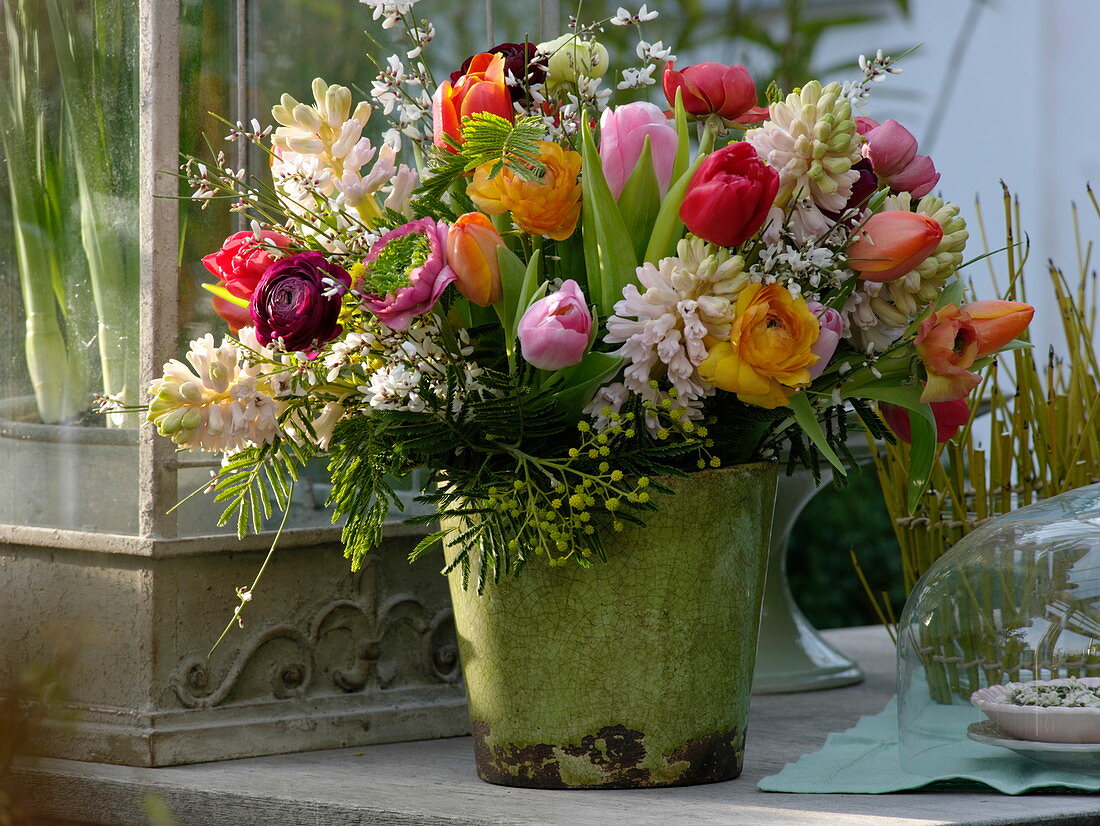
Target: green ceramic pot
[633, 673]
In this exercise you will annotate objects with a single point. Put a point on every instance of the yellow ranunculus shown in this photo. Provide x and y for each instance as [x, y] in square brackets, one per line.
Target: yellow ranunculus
[549, 206]
[765, 359]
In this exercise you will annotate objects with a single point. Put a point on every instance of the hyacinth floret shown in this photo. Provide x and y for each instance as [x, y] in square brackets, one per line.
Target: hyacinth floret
[687, 298]
[811, 141]
[217, 402]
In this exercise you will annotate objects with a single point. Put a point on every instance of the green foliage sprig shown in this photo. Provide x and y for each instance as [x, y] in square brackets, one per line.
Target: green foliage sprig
[511, 475]
[488, 138]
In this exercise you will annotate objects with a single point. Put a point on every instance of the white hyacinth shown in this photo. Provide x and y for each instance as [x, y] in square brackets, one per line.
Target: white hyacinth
[219, 403]
[811, 141]
[687, 298]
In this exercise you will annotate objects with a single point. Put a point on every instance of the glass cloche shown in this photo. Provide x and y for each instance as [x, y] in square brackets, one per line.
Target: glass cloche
[1017, 601]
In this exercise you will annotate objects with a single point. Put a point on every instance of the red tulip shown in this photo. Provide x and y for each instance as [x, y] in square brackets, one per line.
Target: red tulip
[950, 416]
[729, 195]
[892, 244]
[711, 89]
[481, 89]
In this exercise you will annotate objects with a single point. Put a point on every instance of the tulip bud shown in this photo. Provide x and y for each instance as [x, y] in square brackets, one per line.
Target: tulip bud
[555, 330]
[892, 244]
[568, 57]
[472, 245]
[998, 322]
[711, 89]
[622, 137]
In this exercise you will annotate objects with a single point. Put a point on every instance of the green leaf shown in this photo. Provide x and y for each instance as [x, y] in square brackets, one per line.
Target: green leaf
[640, 200]
[224, 294]
[667, 229]
[613, 250]
[922, 426]
[583, 380]
[952, 294]
[806, 419]
[513, 274]
[427, 543]
[683, 144]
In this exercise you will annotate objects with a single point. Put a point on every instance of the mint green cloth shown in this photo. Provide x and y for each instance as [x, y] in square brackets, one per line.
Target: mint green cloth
[865, 759]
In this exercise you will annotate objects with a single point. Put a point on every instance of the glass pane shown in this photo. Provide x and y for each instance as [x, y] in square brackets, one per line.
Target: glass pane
[68, 262]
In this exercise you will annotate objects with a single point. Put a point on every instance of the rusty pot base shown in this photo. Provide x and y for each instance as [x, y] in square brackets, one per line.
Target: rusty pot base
[615, 757]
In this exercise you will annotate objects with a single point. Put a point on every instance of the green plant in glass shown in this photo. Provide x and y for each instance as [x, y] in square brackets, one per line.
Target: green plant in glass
[73, 194]
[35, 173]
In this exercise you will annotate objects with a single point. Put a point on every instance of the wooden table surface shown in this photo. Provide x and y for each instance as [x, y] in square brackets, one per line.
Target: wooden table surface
[433, 782]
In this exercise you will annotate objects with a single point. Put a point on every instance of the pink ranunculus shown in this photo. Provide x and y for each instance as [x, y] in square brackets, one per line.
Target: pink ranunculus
[555, 330]
[892, 151]
[400, 296]
[242, 260]
[623, 131]
[832, 327]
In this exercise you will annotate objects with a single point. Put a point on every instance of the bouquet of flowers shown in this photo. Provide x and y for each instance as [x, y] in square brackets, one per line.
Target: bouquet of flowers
[558, 302]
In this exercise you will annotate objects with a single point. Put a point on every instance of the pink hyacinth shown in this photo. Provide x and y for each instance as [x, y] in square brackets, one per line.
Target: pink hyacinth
[623, 131]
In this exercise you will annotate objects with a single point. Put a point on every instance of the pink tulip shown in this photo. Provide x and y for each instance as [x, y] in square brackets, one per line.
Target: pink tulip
[892, 244]
[832, 326]
[554, 332]
[892, 151]
[622, 137]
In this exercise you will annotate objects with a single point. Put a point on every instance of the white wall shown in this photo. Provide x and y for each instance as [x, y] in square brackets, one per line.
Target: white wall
[1025, 108]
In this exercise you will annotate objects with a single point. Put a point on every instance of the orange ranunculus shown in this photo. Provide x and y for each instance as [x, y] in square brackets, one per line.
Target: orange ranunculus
[769, 349]
[951, 339]
[547, 206]
[472, 247]
[892, 244]
[481, 89]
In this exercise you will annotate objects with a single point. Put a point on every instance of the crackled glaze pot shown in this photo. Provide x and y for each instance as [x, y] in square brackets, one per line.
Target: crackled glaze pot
[632, 673]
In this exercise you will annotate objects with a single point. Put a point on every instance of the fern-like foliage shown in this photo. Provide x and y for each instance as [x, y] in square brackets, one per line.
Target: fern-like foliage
[487, 138]
[258, 478]
[511, 477]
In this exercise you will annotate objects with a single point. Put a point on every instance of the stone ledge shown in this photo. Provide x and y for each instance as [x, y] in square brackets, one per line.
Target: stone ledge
[432, 783]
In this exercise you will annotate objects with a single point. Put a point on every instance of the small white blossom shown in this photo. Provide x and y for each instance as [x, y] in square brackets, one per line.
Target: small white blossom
[638, 78]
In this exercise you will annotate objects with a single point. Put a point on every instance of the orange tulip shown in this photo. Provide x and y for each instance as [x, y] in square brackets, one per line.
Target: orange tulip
[472, 254]
[481, 89]
[892, 244]
[951, 339]
[998, 322]
[548, 206]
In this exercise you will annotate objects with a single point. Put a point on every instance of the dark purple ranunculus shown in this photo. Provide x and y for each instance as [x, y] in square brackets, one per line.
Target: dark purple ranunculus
[295, 301]
[520, 60]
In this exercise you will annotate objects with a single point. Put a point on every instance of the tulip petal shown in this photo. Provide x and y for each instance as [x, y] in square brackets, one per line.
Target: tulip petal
[998, 322]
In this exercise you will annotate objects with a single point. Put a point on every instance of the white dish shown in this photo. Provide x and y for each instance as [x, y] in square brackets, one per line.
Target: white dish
[1074, 756]
[1043, 724]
